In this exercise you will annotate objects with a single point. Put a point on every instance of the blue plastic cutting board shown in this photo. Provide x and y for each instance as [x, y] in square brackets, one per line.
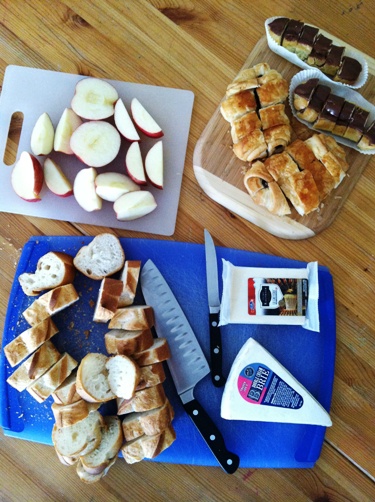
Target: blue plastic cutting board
[309, 356]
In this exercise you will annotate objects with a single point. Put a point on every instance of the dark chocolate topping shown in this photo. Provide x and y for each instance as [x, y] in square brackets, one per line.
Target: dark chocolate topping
[359, 118]
[308, 35]
[370, 133]
[306, 88]
[346, 113]
[293, 30]
[321, 46]
[319, 97]
[332, 107]
[334, 56]
[350, 69]
[278, 25]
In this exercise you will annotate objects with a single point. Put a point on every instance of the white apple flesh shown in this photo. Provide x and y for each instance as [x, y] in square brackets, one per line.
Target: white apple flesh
[134, 205]
[144, 121]
[96, 143]
[84, 190]
[94, 99]
[154, 165]
[42, 136]
[134, 164]
[27, 177]
[124, 122]
[110, 186]
[68, 123]
[56, 180]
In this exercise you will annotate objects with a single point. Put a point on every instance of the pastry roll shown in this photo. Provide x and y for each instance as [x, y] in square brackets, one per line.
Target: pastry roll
[330, 113]
[344, 119]
[277, 27]
[319, 51]
[315, 106]
[273, 116]
[333, 60]
[337, 150]
[357, 124]
[273, 92]
[331, 163]
[300, 188]
[246, 79]
[251, 147]
[367, 142]
[291, 35]
[257, 177]
[277, 138]
[238, 104]
[306, 41]
[281, 166]
[244, 126]
[303, 94]
[349, 71]
[268, 76]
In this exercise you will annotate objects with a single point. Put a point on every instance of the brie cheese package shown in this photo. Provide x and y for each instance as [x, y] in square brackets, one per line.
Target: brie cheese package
[260, 389]
[255, 295]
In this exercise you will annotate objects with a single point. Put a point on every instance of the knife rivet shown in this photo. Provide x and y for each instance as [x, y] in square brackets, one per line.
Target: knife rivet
[214, 324]
[216, 350]
[195, 412]
[212, 437]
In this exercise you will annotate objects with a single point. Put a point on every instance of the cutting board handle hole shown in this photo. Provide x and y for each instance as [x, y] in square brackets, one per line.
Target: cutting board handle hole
[14, 134]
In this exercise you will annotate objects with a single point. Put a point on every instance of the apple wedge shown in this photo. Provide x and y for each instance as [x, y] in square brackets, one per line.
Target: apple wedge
[27, 177]
[94, 99]
[56, 180]
[84, 190]
[134, 205]
[68, 123]
[96, 143]
[154, 165]
[42, 136]
[124, 122]
[110, 186]
[144, 121]
[134, 164]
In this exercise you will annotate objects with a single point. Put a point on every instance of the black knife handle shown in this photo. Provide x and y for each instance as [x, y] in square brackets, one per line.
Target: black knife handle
[216, 352]
[212, 436]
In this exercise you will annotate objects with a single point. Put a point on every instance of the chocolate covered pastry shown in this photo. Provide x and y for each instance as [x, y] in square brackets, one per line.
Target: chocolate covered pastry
[277, 28]
[321, 47]
[357, 124]
[291, 35]
[306, 41]
[303, 93]
[330, 113]
[367, 142]
[344, 119]
[315, 106]
[349, 71]
[333, 60]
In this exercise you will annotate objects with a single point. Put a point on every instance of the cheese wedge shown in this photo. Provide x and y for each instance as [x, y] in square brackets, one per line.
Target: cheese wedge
[260, 389]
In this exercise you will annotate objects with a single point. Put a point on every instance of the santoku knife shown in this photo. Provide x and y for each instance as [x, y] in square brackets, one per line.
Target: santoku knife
[187, 363]
[214, 307]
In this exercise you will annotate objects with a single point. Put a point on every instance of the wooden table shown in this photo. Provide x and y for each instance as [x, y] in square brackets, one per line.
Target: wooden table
[201, 46]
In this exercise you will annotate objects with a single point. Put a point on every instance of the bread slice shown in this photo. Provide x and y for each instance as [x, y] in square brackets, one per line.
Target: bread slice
[108, 298]
[50, 303]
[35, 366]
[157, 353]
[148, 446]
[133, 318]
[29, 340]
[101, 258]
[92, 379]
[148, 422]
[68, 461]
[69, 414]
[123, 375]
[151, 375]
[92, 478]
[129, 277]
[53, 269]
[143, 400]
[53, 378]
[120, 341]
[108, 449]
[66, 393]
[80, 438]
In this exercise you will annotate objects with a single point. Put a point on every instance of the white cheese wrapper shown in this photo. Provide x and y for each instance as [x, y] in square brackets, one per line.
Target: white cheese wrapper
[255, 295]
[294, 59]
[346, 93]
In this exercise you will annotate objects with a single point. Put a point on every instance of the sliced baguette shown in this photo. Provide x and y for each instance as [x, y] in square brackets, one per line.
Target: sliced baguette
[148, 446]
[92, 478]
[29, 340]
[143, 400]
[53, 378]
[92, 379]
[66, 393]
[67, 460]
[101, 258]
[80, 438]
[35, 366]
[148, 422]
[129, 277]
[69, 414]
[108, 298]
[157, 353]
[151, 375]
[133, 318]
[108, 449]
[52, 270]
[123, 376]
[120, 341]
[50, 303]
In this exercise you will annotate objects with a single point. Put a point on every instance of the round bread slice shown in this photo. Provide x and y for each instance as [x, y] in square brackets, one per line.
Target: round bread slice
[123, 376]
[92, 478]
[101, 258]
[92, 379]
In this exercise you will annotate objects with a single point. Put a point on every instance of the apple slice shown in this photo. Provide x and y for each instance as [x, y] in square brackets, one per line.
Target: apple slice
[124, 123]
[42, 136]
[134, 205]
[27, 177]
[68, 123]
[154, 165]
[144, 121]
[94, 99]
[96, 143]
[110, 186]
[134, 164]
[84, 190]
[56, 180]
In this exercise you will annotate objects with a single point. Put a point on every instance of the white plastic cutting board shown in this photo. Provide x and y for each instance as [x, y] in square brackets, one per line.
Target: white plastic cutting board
[33, 91]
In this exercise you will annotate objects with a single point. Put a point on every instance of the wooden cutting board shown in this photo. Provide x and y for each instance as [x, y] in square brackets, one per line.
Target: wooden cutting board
[220, 173]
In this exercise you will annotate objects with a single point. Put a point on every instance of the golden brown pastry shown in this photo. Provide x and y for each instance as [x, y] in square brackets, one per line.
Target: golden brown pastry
[272, 92]
[281, 166]
[257, 177]
[273, 116]
[277, 138]
[251, 147]
[238, 104]
[330, 162]
[300, 188]
[244, 125]
[337, 150]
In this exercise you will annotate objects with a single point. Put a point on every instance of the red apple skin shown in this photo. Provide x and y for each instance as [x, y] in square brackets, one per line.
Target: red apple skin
[38, 177]
[158, 134]
[139, 182]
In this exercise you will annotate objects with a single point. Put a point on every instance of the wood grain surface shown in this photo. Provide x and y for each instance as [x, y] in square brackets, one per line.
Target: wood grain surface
[201, 46]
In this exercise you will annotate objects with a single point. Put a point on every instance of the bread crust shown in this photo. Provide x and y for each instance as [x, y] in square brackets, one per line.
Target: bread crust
[118, 341]
[149, 422]
[66, 393]
[133, 318]
[108, 299]
[92, 370]
[129, 277]
[157, 353]
[148, 446]
[143, 400]
[69, 414]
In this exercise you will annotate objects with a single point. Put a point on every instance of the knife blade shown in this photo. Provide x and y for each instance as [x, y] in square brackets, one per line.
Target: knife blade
[187, 364]
[214, 311]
